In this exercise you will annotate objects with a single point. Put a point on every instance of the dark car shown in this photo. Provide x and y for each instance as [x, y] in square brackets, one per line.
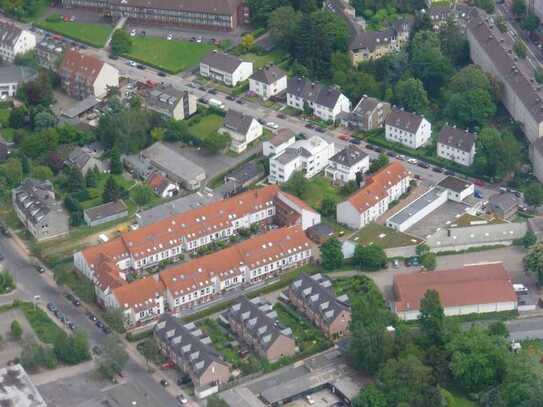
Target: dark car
[261, 121]
[437, 169]
[212, 91]
[202, 88]
[99, 324]
[113, 56]
[370, 147]
[140, 66]
[449, 173]
[230, 97]
[422, 164]
[378, 150]
[391, 154]
[300, 136]
[76, 302]
[355, 141]
[106, 330]
[183, 380]
[71, 325]
[70, 297]
[91, 316]
[51, 307]
[96, 350]
[309, 126]
[164, 383]
[162, 74]
[413, 261]
[240, 102]
[281, 116]
[40, 269]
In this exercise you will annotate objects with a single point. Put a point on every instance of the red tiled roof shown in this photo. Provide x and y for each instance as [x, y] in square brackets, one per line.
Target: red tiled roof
[375, 187]
[139, 294]
[77, 64]
[469, 285]
[255, 252]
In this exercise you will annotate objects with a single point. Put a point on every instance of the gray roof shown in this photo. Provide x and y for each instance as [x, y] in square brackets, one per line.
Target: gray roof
[36, 199]
[9, 34]
[245, 173]
[371, 40]
[81, 107]
[258, 319]
[165, 99]
[504, 62]
[139, 164]
[454, 184]
[287, 156]
[222, 62]
[172, 161]
[321, 229]
[16, 74]
[417, 205]
[122, 395]
[453, 137]
[538, 145]
[268, 74]
[315, 92]
[17, 389]
[349, 156]
[282, 136]
[504, 201]
[406, 121]
[106, 210]
[237, 122]
[188, 343]
[316, 293]
[366, 106]
[439, 12]
[179, 205]
[218, 7]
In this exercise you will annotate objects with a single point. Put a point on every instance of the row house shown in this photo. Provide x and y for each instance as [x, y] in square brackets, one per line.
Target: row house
[225, 68]
[14, 41]
[325, 102]
[255, 322]
[262, 257]
[191, 351]
[374, 197]
[456, 145]
[407, 128]
[314, 297]
[82, 76]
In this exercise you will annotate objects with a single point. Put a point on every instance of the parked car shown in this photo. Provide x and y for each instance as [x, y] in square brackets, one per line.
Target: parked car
[212, 91]
[391, 154]
[51, 307]
[240, 102]
[140, 66]
[423, 165]
[162, 74]
[164, 383]
[230, 97]
[449, 173]
[40, 269]
[309, 126]
[169, 37]
[91, 316]
[437, 169]
[355, 141]
[412, 161]
[131, 63]
[520, 289]
[183, 380]
[113, 56]
[413, 261]
[281, 116]
[477, 194]
[106, 330]
[71, 325]
[99, 324]
[273, 125]
[181, 399]
[320, 130]
[96, 350]
[132, 33]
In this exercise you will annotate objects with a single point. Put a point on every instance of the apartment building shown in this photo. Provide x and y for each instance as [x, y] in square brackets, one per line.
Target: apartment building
[36, 207]
[521, 95]
[344, 166]
[191, 351]
[407, 128]
[14, 41]
[173, 103]
[310, 156]
[255, 323]
[12, 77]
[456, 145]
[225, 68]
[82, 76]
[49, 51]
[242, 128]
[268, 81]
[369, 113]
[213, 15]
[325, 102]
[282, 139]
[262, 257]
[374, 197]
[314, 297]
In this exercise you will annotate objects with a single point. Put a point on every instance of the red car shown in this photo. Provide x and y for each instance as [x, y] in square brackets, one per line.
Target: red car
[168, 365]
[345, 137]
[479, 183]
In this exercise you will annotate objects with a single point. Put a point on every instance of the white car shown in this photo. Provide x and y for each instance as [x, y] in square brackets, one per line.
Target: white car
[133, 33]
[169, 37]
[273, 125]
[199, 39]
[181, 399]
[131, 63]
[412, 161]
[309, 400]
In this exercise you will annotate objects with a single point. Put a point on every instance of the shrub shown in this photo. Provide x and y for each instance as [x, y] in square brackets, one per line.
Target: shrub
[16, 330]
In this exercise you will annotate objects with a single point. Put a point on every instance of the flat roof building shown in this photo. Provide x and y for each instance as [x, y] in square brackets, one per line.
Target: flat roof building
[105, 213]
[17, 390]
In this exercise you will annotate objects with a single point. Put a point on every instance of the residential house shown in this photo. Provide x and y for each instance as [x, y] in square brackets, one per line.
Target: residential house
[138, 165]
[49, 52]
[254, 260]
[173, 103]
[457, 189]
[370, 113]
[14, 41]
[162, 186]
[282, 139]
[224, 68]
[105, 213]
[325, 102]
[11, 77]
[140, 301]
[344, 165]
[86, 158]
[374, 197]
[456, 145]
[255, 323]
[320, 233]
[407, 128]
[242, 128]
[268, 81]
[241, 178]
[309, 156]
[82, 76]
[209, 15]
[481, 288]
[36, 207]
[314, 297]
[175, 165]
[191, 351]
[503, 204]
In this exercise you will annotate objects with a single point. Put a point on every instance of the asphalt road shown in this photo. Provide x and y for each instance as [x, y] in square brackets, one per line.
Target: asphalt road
[529, 328]
[30, 284]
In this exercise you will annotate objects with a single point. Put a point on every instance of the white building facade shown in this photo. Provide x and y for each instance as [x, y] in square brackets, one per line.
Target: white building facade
[224, 68]
[344, 165]
[14, 41]
[268, 82]
[456, 145]
[408, 129]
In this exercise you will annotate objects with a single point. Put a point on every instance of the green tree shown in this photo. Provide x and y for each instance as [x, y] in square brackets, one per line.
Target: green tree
[19, 117]
[381, 161]
[471, 108]
[115, 319]
[533, 194]
[91, 179]
[142, 195]
[116, 167]
[487, 5]
[37, 92]
[520, 48]
[44, 120]
[454, 43]
[432, 318]
[216, 401]
[522, 384]
[74, 179]
[429, 261]
[72, 349]
[282, 25]
[177, 130]
[530, 23]
[328, 207]
[370, 257]
[26, 165]
[12, 170]
[534, 262]
[519, 8]
[370, 396]
[529, 239]
[501, 23]
[112, 191]
[114, 358]
[497, 153]
[157, 133]
[498, 328]
[16, 330]
[478, 360]
[331, 254]
[121, 43]
[297, 184]
[411, 95]
[215, 143]
[42, 172]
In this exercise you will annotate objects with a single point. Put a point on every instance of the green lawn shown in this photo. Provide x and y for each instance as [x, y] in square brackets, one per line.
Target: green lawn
[454, 399]
[205, 126]
[353, 286]
[92, 34]
[384, 237]
[259, 61]
[318, 188]
[170, 56]
[466, 219]
[4, 117]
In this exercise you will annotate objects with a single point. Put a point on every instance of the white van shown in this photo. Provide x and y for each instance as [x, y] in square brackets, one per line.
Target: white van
[520, 289]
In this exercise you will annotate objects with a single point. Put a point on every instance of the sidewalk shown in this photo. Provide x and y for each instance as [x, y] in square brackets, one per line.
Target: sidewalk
[62, 373]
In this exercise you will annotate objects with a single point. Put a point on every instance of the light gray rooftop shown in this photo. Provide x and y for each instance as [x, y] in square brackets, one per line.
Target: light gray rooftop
[417, 205]
[172, 161]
